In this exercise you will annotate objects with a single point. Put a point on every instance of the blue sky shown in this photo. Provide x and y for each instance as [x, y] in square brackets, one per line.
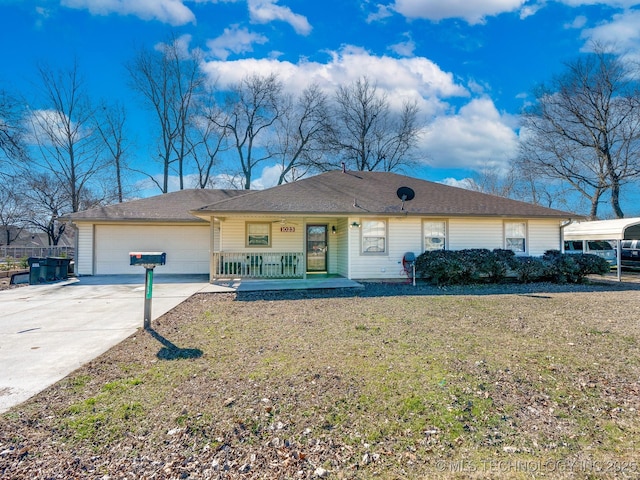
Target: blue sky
[471, 64]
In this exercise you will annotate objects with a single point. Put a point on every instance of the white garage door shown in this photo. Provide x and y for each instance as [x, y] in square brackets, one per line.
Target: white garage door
[187, 248]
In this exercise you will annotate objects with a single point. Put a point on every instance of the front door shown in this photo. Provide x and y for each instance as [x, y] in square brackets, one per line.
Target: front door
[316, 248]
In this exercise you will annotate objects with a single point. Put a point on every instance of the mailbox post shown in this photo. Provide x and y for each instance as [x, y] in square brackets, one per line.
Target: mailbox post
[148, 260]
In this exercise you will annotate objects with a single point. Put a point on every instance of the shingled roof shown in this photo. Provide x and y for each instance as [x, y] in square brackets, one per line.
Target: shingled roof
[374, 193]
[170, 207]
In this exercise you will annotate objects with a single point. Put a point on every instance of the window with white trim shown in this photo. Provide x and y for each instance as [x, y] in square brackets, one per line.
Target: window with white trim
[515, 234]
[374, 236]
[258, 234]
[435, 234]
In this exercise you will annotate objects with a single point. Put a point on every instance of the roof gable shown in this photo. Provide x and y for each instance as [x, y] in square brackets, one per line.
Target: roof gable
[374, 193]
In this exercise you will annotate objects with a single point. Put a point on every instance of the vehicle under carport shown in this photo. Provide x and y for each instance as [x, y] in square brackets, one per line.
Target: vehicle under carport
[611, 230]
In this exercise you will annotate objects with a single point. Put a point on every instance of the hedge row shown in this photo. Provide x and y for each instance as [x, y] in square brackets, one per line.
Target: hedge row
[455, 267]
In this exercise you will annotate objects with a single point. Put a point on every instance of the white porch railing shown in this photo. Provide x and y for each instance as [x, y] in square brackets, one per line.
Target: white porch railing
[259, 265]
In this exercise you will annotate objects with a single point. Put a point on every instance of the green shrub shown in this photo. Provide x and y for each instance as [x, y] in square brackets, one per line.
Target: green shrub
[592, 264]
[443, 267]
[562, 267]
[458, 267]
[450, 267]
[503, 261]
[572, 268]
[530, 269]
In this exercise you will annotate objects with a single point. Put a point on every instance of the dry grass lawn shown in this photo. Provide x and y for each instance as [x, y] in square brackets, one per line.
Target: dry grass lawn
[395, 387]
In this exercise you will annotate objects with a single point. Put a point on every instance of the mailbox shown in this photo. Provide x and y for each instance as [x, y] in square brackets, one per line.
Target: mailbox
[147, 259]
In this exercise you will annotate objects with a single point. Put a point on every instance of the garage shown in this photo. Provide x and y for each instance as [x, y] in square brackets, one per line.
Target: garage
[186, 246]
[105, 235]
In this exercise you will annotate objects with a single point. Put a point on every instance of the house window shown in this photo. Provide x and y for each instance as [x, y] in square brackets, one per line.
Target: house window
[374, 236]
[434, 236]
[258, 234]
[515, 234]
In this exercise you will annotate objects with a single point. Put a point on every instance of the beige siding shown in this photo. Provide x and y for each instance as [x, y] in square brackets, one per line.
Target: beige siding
[403, 235]
[475, 233]
[233, 235]
[84, 249]
[342, 250]
[543, 235]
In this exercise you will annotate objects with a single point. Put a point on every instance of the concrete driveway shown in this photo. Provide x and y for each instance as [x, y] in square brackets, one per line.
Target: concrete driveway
[48, 331]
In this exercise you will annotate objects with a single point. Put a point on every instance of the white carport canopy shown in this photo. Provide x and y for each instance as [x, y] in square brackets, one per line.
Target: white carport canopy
[618, 229]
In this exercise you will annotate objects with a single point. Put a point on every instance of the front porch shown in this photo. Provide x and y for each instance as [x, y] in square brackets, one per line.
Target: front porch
[267, 265]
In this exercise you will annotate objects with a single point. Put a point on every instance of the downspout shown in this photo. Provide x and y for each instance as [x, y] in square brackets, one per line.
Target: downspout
[75, 248]
[562, 227]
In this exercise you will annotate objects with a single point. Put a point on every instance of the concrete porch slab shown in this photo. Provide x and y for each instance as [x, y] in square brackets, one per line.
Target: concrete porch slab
[254, 285]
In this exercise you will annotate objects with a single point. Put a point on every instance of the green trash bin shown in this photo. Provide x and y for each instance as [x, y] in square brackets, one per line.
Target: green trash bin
[49, 266]
[37, 270]
[59, 267]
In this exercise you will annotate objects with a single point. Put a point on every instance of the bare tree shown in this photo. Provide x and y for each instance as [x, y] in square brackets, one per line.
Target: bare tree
[367, 134]
[305, 122]
[584, 129]
[12, 210]
[12, 152]
[206, 142]
[170, 80]
[10, 130]
[47, 201]
[519, 183]
[66, 145]
[250, 110]
[493, 182]
[110, 124]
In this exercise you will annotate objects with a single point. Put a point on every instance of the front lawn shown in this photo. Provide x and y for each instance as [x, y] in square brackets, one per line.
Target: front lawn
[407, 386]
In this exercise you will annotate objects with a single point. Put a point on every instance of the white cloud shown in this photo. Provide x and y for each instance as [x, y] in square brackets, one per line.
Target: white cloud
[268, 178]
[405, 48]
[416, 78]
[477, 137]
[466, 183]
[265, 11]
[611, 3]
[382, 12]
[46, 127]
[531, 9]
[181, 46]
[622, 32]
[579, 22]
[472, 11]
[234, 40]
[173, 12]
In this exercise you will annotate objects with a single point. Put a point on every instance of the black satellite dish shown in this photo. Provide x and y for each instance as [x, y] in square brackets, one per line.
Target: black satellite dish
[405, 194]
